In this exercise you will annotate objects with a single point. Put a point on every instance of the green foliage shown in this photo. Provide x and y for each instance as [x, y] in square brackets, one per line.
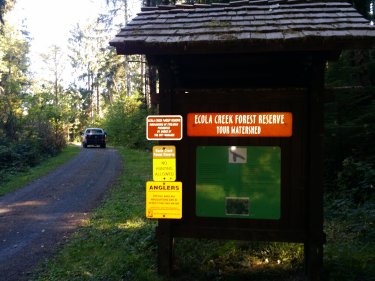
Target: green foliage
[125, 123]
[13, 80]
[350, 248]
[30, 130]
[5, 6]
[37, 117]
[354, 68]
[12, 179]
[100, 69]
[349, 165]
[350, 157]
[356, 180]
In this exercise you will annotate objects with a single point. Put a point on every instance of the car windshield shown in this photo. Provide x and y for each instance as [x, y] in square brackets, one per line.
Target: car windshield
[94, 131]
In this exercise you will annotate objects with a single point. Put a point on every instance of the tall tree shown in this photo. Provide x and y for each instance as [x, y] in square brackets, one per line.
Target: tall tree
[140, 79]
[54, 61]
[96, 65]
[365, 7]
[14, 64]
[120, 9]
[5, 6]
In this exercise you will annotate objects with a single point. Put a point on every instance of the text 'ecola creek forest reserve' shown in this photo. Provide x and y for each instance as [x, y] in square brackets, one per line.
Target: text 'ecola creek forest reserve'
[269, 124]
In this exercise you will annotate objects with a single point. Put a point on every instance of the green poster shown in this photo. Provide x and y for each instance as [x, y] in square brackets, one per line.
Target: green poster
[238, 182]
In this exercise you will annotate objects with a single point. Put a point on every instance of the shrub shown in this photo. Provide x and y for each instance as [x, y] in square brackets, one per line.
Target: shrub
[356, 180]
[125, 123]
[37, 141]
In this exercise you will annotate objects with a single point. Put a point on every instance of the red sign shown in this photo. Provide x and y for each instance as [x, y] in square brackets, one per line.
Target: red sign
[242, 124]
[164, 127]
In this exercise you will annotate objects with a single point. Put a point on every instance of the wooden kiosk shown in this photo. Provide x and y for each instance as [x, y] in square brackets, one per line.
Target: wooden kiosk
[246, 58]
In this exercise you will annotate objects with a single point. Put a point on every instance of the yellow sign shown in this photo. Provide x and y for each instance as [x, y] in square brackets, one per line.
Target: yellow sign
[164, 163]
[163, 200]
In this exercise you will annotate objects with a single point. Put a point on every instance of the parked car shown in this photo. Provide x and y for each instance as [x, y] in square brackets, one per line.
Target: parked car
[94, 136]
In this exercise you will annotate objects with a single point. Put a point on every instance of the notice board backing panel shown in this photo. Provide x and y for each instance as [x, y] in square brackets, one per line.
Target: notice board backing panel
[238, 182]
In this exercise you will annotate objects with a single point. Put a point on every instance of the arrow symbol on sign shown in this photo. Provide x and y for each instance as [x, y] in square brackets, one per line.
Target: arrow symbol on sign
[235, 155]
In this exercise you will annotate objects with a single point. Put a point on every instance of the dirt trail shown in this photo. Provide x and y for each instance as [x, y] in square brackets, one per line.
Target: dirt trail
[40, 216]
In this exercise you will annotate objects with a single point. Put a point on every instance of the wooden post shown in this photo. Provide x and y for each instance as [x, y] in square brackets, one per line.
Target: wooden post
[165, 247]
[315, 237]
[164, 230]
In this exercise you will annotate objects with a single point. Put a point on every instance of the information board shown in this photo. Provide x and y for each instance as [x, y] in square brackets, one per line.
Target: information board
[164, 200]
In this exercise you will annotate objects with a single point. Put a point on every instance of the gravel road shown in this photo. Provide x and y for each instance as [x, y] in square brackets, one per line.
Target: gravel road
[34, 220]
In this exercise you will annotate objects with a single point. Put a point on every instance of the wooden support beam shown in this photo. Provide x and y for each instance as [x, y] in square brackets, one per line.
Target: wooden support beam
[315, 236]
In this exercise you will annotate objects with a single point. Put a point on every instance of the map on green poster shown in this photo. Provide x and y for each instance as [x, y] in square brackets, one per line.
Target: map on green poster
[238, 182]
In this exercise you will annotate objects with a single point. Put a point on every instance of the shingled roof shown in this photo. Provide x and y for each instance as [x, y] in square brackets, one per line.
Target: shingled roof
[246, 26]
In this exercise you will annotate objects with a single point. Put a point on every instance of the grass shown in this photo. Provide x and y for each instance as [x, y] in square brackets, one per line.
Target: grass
[20, 179]
[237, 260]
[350, 248]
[118, 243]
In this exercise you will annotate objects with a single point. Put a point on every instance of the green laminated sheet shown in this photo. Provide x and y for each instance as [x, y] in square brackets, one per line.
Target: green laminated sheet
[238, 182]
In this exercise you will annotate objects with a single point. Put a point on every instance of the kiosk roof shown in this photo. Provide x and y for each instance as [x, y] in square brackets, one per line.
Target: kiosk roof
[246, 27]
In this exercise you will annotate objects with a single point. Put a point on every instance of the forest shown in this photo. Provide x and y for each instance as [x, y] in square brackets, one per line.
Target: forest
[39, 117]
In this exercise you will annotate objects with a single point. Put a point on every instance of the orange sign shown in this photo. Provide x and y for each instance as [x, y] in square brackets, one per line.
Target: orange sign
[242, 124]
[164, 127]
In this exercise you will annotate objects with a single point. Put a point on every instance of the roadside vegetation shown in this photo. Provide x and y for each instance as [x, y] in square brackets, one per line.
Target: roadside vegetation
[349, 168]
[18, 177]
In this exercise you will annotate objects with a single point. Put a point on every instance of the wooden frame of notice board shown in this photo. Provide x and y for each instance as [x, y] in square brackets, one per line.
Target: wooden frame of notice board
[301, 195]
